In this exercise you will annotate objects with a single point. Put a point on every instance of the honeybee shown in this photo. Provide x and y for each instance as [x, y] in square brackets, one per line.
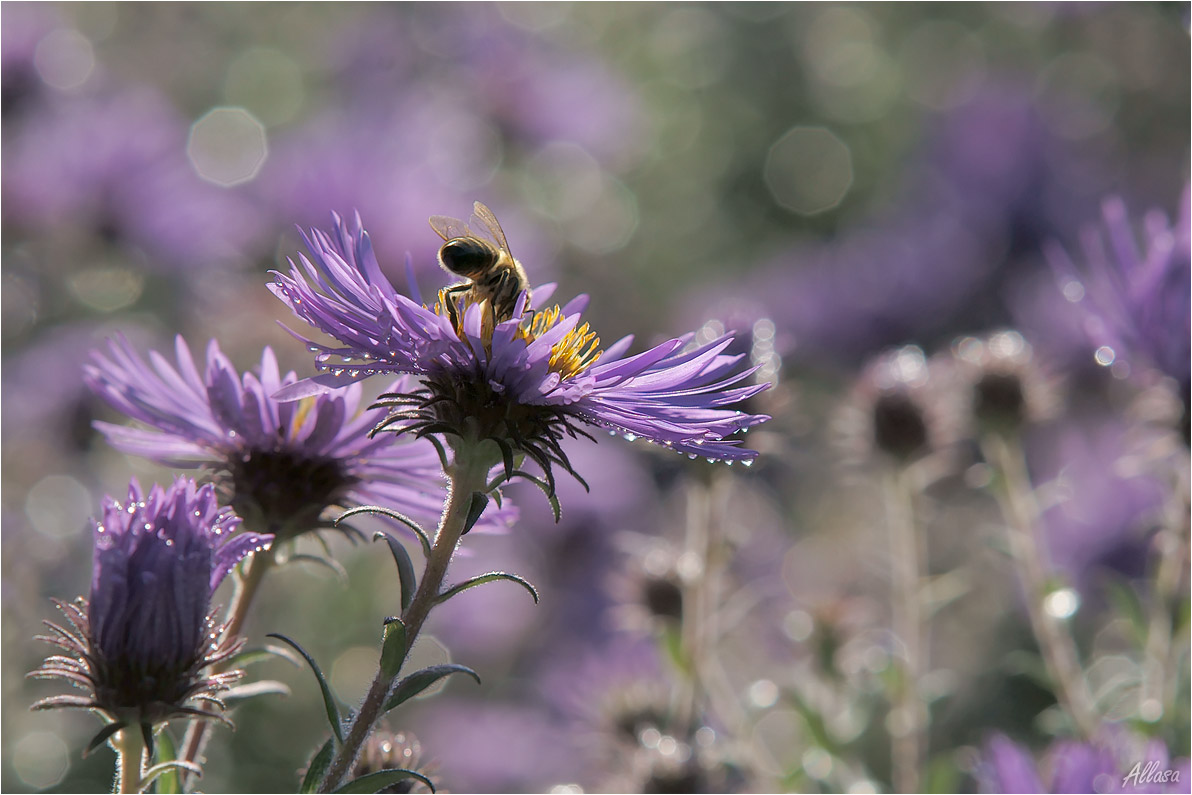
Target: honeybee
[486, 263]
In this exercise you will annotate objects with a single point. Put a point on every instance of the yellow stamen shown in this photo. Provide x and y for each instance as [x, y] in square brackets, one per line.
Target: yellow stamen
[573, 354]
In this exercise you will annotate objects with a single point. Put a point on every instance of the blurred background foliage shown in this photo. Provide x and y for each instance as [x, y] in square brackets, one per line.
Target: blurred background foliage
[839, 178]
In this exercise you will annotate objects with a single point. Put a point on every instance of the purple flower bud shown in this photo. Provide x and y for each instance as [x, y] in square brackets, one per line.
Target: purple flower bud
[141, 643]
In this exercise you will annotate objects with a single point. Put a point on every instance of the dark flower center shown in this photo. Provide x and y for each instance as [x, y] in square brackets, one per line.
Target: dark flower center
[898, 425]
[283, 492]
[999, 400]
[663, 598]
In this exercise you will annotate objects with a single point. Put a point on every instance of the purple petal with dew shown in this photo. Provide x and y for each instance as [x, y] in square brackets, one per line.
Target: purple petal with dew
[235, 550]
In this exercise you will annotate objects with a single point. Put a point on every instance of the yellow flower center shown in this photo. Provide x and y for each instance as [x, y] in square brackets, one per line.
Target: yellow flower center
[573, 354]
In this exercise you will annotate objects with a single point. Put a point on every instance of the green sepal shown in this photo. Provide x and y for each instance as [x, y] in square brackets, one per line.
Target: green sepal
[418, 681]
[407, 521]
[318, 766]
[375, 782]
[475, 510]
[547, 489]
[443, 460]
[405, 567]
[103, 735]
[393, 648]
[329, 700]
[483, 578]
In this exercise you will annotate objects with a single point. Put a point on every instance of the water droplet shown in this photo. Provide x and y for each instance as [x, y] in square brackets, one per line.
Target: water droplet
[1105, 356]
[692, 456]
[730, 462]
[629, 437]
[748, 462]
[710, 460]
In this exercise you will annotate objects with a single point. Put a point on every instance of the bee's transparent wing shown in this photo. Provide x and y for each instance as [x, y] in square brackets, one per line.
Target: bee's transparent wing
[484, 222]
[448, 228]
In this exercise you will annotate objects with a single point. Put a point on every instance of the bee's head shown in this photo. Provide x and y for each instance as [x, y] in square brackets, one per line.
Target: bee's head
[468, 257]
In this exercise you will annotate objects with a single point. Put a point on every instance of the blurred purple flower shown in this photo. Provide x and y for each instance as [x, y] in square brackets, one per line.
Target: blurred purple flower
[1115, 762]
[280, 464]
[541, 372]
[116, 163]
[140, 643]
[1136, 300]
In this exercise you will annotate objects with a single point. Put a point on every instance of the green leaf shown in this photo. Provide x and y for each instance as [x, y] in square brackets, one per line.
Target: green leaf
[168, 782]
[418, 681]
[102, 736]
[329, 700]
[318, 766]
[375, 782]
[443, 461]
[405, 567]
[475, 510]
[1126, 604]
[262, 687]
[330, 563]
[407, 521]
[260, 653]
[393, 648]
[483, 578]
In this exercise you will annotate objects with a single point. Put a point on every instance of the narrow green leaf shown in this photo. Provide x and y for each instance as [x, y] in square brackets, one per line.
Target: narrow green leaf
[393, 648]
[418, 681]
[475, 510]
[168, 782]
[1126, 603]
[407, 521]
[483, 578]
[330, 563]
[261, 687]
[405, 567]
[260, 653]
[102, 736]
[318, 766]
[375, 782]
[329, 701]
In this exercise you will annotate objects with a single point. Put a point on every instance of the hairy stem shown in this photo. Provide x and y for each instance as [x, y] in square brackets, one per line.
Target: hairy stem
[467, 475]
[908, 717]
[1022, 515]
[130, 752]
[199, 731]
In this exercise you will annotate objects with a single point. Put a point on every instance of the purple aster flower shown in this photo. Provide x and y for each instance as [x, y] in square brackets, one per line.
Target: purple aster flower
[141, 642]
[279, 465]
[1115, 762]
[522, 382]
[1136, 299]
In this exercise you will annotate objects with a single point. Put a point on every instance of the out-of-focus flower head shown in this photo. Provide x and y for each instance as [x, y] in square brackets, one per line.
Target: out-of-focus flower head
[278, 464]
[624, 718]
[1136, 299]
[1115, 762]
[140, 643]
[522, 383]
[895, 409]
[114, 164]
[1001, 383]
[388, 750]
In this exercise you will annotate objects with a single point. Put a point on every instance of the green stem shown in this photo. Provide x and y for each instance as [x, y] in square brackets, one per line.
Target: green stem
[908, 715]
[467, 475]
[1172, 549]
[198, 732]
[1022, 514]
[130, 752]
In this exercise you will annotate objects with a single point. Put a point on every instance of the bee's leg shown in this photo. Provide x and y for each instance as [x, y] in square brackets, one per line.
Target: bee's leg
[452, 303]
